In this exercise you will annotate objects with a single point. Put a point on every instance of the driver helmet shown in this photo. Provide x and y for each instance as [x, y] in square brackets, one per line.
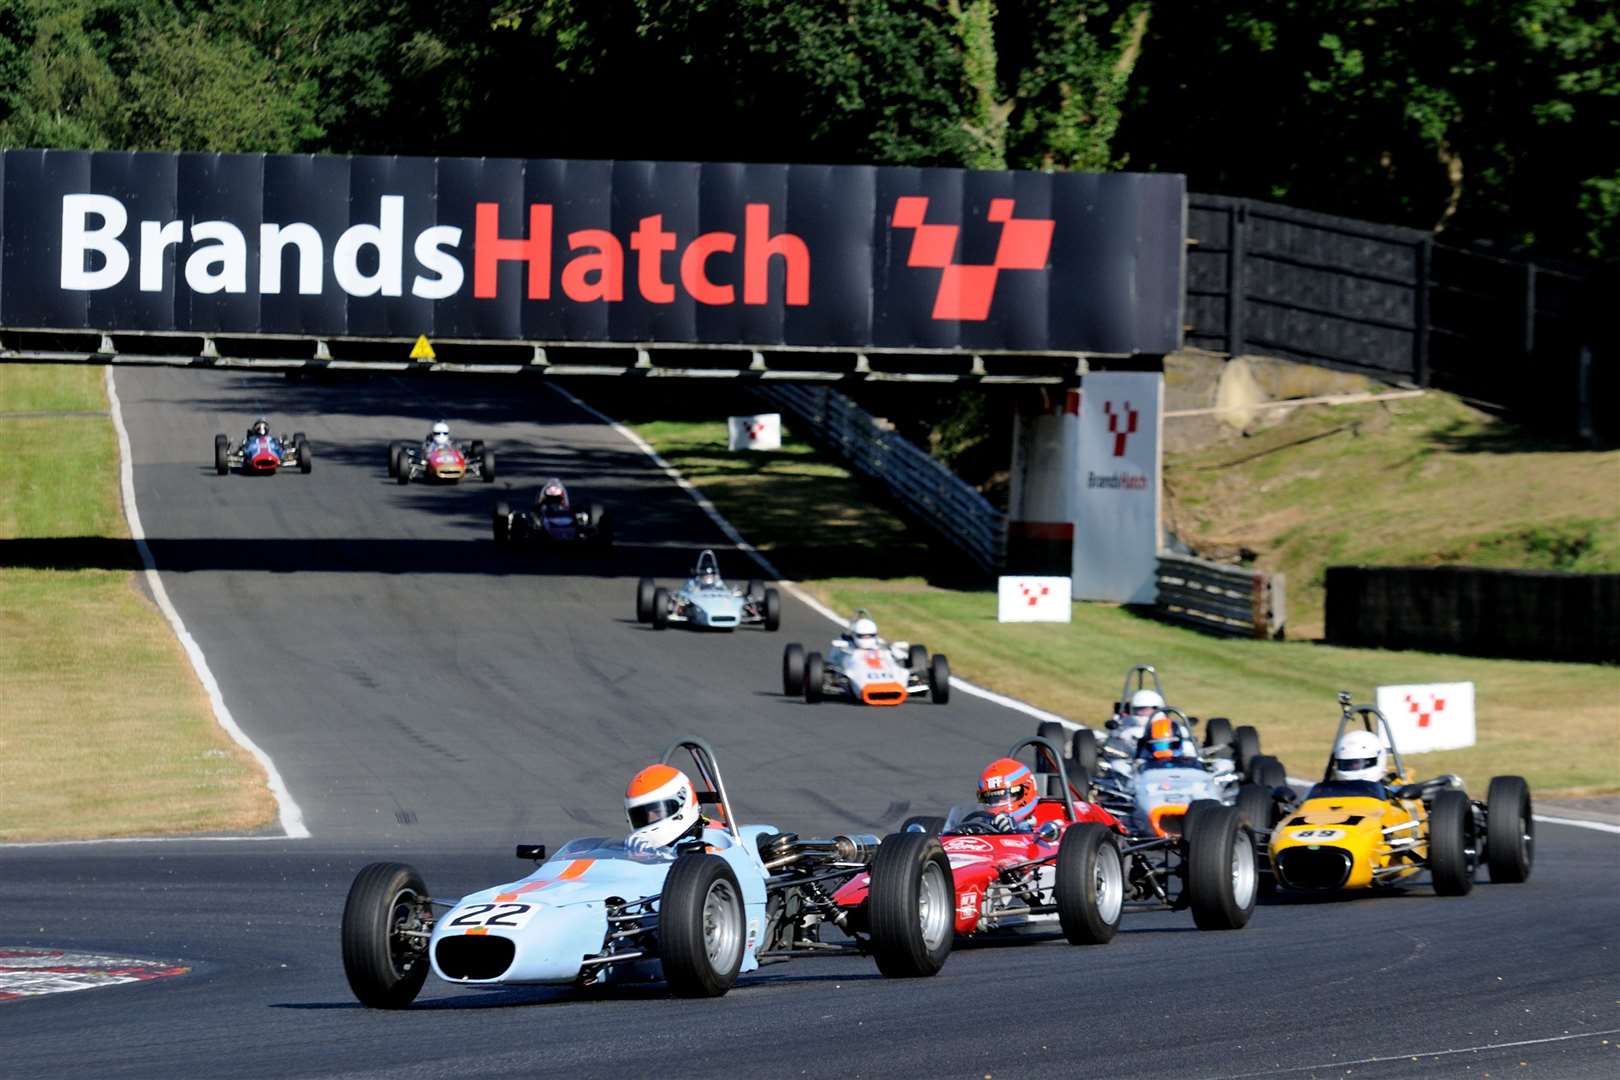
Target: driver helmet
[662, 806]
[1146, 702]
[1359, 756]
[1161, 740]
[261, 426]
[553, 495]
[708, 575]
[1007, 787]
[441, 433]
[863, 632]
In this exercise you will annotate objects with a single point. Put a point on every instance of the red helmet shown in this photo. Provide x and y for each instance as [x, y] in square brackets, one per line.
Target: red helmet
[1007, 787]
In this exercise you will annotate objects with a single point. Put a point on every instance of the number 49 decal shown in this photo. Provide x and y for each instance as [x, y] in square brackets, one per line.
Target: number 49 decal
[509, 916]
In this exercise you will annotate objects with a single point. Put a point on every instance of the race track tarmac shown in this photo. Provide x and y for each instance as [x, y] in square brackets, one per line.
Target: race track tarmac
[431, 699]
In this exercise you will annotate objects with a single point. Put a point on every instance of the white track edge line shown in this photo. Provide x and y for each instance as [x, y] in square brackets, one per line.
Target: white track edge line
[1417, 1054]
[171, 839]
[292, 818]
[792, 587]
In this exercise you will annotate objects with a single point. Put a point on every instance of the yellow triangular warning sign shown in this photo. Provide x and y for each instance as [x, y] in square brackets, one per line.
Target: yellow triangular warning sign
[422, 350]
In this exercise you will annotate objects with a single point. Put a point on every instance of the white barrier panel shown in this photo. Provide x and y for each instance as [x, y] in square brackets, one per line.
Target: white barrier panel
[1034, 599]
[1115, 498]
[1429, 716]
[762, 432]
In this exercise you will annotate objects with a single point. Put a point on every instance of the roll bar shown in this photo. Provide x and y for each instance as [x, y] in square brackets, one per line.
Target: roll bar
[711, 789]
[1371, 719]
[1140, 673]
[1044, 745]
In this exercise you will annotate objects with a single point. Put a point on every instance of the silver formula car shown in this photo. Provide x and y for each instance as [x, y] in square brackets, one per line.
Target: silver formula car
[706, 602]
[888, 673]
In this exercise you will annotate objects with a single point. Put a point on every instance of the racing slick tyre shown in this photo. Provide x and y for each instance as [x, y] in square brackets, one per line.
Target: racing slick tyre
[1222, 871]
[476, 448]
[1083, 752]
[1090, 885]
[756, 590]
[1453, 843]
[222, 454]
[1245, 748]
[644, 599]
[402, 467]
[1218, 731]
[911, 906]
[393, 460]
[917, 659]
[385, 963]
[1057, 734]
[793, 670]
[660, 609]
[305, 455]
[601, 524]
[939, 679]
[773, 610]
[1256, 807]
[486, 466]
[1510, 832]
[1268, 772]
[500, 520]
[701, 928]
[815, 670]
[923, 823]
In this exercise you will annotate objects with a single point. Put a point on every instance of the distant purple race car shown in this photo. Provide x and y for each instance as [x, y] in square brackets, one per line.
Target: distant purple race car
[554, 519]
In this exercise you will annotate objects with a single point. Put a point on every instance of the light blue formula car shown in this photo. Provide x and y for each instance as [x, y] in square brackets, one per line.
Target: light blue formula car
[706, 602]
[696, 915]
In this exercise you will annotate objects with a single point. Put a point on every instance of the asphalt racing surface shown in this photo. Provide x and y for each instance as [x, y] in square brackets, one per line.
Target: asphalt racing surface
[431, 699]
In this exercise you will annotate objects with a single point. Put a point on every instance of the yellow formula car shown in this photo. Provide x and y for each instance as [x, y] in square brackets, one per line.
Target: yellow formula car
[1368, 825]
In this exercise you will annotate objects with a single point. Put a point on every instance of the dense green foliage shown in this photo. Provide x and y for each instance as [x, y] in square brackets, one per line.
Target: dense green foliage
[1490, 119]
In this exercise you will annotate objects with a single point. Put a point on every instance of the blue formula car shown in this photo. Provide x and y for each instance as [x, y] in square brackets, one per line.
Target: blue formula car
[261, 453]
[706, 602]
[724, 900]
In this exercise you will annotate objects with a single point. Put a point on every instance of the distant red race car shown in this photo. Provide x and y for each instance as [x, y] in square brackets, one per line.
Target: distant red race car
[447, 462]
[1072, 862]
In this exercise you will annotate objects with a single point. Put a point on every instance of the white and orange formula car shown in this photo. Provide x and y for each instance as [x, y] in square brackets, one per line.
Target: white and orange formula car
[864, 668]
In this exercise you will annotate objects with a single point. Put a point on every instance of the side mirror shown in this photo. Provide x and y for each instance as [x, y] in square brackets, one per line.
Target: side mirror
[1049, 833]
[1192, 721]
[1112, 724]
[537, 852]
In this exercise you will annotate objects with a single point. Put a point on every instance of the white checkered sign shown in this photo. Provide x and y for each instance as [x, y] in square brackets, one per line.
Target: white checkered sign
[1034, 599]
[1429, 716]
[763, 432]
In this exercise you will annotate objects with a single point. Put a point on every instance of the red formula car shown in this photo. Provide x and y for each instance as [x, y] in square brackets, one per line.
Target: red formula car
[1071, 862]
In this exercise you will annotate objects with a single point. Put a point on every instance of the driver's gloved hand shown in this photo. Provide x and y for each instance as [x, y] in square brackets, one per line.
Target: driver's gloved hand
[1002, 822]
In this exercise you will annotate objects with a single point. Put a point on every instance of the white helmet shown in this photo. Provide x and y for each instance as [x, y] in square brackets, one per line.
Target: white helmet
[1359, 756]
[441, 432]
[1146, 702]
[661, 805]
[863, 631]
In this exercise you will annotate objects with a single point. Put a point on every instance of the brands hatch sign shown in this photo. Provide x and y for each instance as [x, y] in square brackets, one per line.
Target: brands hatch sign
[591, 251]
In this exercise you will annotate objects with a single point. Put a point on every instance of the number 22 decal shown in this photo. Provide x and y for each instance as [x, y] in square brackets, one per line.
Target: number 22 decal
[494, 915]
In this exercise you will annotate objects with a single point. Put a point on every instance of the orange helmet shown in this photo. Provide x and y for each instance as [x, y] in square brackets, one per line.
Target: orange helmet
[1007, 787]
[661, 805]
[1161, 738]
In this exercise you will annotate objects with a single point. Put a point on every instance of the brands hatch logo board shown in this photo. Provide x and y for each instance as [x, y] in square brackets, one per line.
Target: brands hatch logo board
[462, 249]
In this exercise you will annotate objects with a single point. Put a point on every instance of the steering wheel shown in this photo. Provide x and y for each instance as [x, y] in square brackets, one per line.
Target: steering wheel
[978, 823]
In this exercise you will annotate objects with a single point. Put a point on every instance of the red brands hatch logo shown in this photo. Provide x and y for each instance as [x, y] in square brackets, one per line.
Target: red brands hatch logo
[965, 291]
[1121, 425]
[1425, 715]
[1033, 593]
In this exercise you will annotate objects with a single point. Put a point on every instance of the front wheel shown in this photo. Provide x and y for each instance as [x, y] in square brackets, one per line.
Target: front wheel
[939, 679]
[402, 467]
[486, 466]
[644, 599]
[393, 460]
[660, 609]
[383, 956]
[701, 927]
[222, 454]
[1090, 884]
[773, 610]
[306, 458]
[911, 906]
[1453, 843]
[793, 670]
[1222, 875]
[1510, 830]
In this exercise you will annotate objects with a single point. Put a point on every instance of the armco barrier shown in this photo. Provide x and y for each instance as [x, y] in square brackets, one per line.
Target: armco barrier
[1524, 614]
[928, 490]
[1222, 599]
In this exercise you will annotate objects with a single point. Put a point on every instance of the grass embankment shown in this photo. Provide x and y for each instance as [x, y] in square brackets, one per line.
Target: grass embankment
[1530, 715]
[1412, 482]
[104, 729]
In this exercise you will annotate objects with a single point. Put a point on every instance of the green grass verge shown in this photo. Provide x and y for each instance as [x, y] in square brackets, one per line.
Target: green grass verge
[106, 731]
[1529, 714]
[1413, 482]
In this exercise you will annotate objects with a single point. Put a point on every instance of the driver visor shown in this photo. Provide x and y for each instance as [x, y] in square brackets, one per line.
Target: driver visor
[1003, 797]
[646, 813]
[1355, 764]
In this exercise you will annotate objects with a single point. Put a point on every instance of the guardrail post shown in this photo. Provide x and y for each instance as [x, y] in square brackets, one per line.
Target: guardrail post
[1235, 298]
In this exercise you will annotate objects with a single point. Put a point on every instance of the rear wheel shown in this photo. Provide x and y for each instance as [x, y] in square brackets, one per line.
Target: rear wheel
[911, 907]
[1090, 884]
[1222, 873]
[500, 520]
[644, 599]
[1246, 747]
[1453, 843]
[939, 679]
[222, 454]
[1057, 734]
[793, 670]
[660, 609]
[385, 962]
[487, 466]
[1510, 830]
[1256, 807]
[815, 671]
[756, 590]
[917, 659]
[1084, 752]
[773, 609]
[701, 928]
[1218, 731]
[477, 448]
[1268, 772]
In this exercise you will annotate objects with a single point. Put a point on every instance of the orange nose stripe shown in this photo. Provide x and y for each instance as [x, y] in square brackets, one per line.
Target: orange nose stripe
[573, 870]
